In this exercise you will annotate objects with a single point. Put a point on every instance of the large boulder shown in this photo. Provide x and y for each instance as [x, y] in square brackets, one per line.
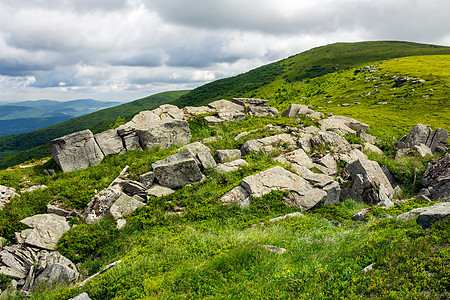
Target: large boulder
[76, 151]
[32, 267]
[269, 144]
[343, 125]
[165, 134]
[231, 166]
[320, 181]
[256, 107]
[296, 110]
[331, 140]
[54, 268]
[109, 142]
[436, 179]
[298, 157]
[237, 195]
[203, 155]
[435, 213]
[420, 136]
[369, 183]
[191, 112]
[177, 170]
[124, 205]
[228, 155]
[46, 230]
[6, 193]
[301, 193]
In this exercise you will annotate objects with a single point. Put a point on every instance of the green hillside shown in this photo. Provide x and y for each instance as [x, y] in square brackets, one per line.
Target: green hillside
[97, 122]
[309, 64]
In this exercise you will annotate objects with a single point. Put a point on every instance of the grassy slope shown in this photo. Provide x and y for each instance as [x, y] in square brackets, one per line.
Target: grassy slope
[213, 251]
[426, 103]
[309, 64]
[97, 121]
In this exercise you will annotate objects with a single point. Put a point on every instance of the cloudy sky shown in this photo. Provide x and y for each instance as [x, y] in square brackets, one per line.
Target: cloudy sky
[125, 49]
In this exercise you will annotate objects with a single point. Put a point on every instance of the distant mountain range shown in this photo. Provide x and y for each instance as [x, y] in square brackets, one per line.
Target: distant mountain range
[25, 116]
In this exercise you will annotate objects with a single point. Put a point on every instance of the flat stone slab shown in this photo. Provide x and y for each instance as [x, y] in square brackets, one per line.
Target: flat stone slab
[301, 193]
[47, 229]
[159, 191]
[124, 206]
[76, 151]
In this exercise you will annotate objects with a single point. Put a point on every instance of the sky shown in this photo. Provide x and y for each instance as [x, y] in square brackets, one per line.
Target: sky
[121, 50]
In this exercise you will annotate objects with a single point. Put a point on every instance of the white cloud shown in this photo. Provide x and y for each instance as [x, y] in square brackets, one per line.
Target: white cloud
[120, 49]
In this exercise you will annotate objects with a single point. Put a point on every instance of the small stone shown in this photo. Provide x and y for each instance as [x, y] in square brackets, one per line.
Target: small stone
[275, 249]
[121, 223]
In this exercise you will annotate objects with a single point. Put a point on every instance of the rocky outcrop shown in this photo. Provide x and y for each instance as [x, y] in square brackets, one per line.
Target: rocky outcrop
[164, 134]
[301, 193]
[31, 267]
[436, 179]
[6, 193]
[426, 216]
[191, 112]
[177, 170]
[237, 195]
[343, 125]
[109, 142]
[297, 157]
[269, 144]
[369, 183]
[256, 107]
[203, 155]
[76, 151]
[125, 205]
[423, 139]
[231, 166]
[46, 229]
[228, 155]
[296, 110]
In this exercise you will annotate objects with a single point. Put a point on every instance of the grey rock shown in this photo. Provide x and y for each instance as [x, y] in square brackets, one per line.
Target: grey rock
[100, 204]
[343, 125]
[147, 179]
[55, 268]
[82, 296]
[191, 112]
[121, 223]
[228, 155]
[206, 160]
[369, 268]
[436, 140]
[437, 179]
[6, 193]
[350, 156]
[423, 150]
[301, 193]
[124, 206]
[159, 191]
[211, 139]
[131, 141]
[108, 267]
[165, 134]
[330, 139]
[274, 249]
[434, 214]
[291, 215]
[327, 164]
[231, 166]
[12, 273]
[256, 107]
[132, 187]
[389, 175]
[237, 195]
[76, 151]
[177, 170]
[230, 114]
[225, 104]
[46, 230]
[269, 144]
[367, 138]
[412, 214]
[322, 182]
[296, 110]
[213, 120]
[369, 184]
[372, 148]
[109, 142]
[361, 215]
[203, 155]
[56, 210]
[298, 157]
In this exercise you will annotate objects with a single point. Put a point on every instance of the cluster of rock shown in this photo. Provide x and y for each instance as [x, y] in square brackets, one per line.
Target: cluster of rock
[424, 140]
[33, 260]
[163, 126]
[402, 80]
